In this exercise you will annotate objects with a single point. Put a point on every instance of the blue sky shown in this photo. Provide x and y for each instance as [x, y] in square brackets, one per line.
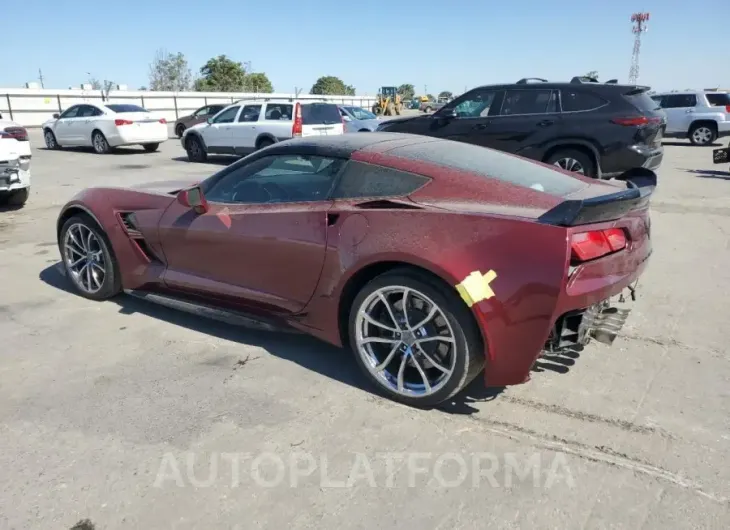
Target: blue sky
[472, 42]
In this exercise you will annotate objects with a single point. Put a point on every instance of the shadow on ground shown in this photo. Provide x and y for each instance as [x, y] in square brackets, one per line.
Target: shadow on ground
[307, 352]
[687, 143]
[710, 173]
[127, 150]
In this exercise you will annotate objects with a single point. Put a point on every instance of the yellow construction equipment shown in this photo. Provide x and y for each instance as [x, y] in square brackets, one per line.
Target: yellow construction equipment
[388, 103]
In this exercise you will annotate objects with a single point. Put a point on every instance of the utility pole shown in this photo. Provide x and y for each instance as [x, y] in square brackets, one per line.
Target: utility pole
[40, 78]
[638, 27]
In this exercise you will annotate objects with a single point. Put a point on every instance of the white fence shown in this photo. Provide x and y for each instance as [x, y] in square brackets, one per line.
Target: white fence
[31, 107]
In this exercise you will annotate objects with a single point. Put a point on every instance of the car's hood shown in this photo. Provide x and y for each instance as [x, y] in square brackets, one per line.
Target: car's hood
[404, 119]
[167, 187]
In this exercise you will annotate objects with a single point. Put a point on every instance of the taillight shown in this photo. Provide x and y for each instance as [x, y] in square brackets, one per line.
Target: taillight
[636, 121]
[17, 133]
[727, 108]
[586, 246]
[163, 120]
[123, 122]
[296, 129]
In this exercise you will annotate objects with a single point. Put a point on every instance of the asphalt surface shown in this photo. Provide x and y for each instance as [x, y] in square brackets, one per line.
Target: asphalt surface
[135, 416]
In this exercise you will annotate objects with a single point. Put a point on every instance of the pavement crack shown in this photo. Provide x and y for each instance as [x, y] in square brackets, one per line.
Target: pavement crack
[597, 454]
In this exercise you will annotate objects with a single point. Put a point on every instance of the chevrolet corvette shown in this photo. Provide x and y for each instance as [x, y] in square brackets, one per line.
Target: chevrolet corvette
[432, 260]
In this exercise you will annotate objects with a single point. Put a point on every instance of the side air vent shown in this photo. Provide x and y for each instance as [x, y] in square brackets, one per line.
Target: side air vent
[129, 222]
[385, 204]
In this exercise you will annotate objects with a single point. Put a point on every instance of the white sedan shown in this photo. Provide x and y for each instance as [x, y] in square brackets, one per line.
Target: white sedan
[15, 157]
[105, 127]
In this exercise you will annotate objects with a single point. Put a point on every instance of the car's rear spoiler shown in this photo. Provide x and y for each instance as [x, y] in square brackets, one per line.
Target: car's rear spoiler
[640, 184]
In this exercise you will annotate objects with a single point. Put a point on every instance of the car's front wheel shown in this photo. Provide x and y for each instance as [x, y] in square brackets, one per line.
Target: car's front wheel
[179, 130]
[151, 148]
[50, 139]
[414, 338]
[18, 197]
[88, 259]
[194, 148]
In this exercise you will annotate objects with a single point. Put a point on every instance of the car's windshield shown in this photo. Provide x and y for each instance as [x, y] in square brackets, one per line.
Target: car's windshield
[719, 99]
[125, 108]
[360, 114]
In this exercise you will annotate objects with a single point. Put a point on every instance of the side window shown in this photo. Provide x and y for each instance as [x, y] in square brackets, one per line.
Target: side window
[678, 101]
[276, 179]
[250, 113]
[214, 109]
[71, 113]
[227, 116]
[474, 105]
[201, 112]
[578, 100]
[520, 102]
[361, 180]
[87, 111]
[279, 111]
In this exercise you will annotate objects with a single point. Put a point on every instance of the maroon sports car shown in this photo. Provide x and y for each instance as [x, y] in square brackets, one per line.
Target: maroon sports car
[432, 259]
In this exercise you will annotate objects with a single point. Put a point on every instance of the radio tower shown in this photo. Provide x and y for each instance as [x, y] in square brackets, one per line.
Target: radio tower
[638, 26]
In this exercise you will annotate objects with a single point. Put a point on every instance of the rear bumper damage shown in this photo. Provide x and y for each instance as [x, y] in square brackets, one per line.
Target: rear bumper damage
[601, 322]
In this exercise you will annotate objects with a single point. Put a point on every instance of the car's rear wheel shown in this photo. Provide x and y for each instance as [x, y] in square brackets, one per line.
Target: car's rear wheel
[264, 142]
[414, 339]
[574, 161]
[98, 141]
[50, 139]
[702, 134]
[151, 148]
[88, 259]
[196, 151]
[179, 130]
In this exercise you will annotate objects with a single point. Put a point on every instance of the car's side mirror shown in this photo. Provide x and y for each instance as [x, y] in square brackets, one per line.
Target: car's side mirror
[193, 198]
[209, 120]
[56, 115]
[346, 118]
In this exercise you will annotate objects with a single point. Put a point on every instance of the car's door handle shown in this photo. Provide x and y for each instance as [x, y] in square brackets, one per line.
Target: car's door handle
[689, 111]
[545, 123]
[481, 126]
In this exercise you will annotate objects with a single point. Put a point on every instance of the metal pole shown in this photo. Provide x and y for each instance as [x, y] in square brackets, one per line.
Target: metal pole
[10, 108]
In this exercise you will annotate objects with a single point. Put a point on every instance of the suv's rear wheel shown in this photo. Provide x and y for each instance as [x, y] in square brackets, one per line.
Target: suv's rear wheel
[574, 161]
[702, 134]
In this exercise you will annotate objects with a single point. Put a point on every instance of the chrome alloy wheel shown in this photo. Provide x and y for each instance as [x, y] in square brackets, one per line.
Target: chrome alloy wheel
[84, 258]
[50, 139]
[702, 135]
[405, 341]
[570, 164]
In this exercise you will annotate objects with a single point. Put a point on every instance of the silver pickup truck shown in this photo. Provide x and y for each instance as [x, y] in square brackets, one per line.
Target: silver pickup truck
[431, 106]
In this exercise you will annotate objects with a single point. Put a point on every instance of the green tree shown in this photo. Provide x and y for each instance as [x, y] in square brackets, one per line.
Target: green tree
[407, 91]
[169, 72]
[445, 95]
[593, 74]
[430, 97]
[221, 74]
[258, 83]
[330, 85]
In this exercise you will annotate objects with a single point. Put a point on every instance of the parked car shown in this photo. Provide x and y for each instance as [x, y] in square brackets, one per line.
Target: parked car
[595, 129]
[384, 243]
[431, 106]
[358, 119]
[246, 126]
[721, 156]
[199, 116]
[105, 127]
[703, 116]
[15, 158]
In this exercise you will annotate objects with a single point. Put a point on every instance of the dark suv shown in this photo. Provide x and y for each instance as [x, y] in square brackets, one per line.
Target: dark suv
[597, 129]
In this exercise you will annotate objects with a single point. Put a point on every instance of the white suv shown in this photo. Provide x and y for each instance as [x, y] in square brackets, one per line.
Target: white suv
[249, 125]
[14, 163]
[700, 115]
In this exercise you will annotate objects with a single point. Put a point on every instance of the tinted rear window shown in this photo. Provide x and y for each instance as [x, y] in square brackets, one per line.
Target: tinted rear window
[718, 99]
[643, 102]
[492, 164]
[126, 108]
[320, 114]
[362, 180]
